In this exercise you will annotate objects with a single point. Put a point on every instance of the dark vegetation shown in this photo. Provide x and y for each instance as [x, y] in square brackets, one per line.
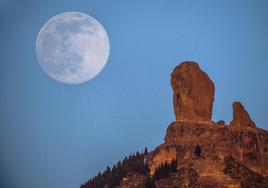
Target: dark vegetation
[133, 164]
[197, 151]
[161, 171]
[111, 177]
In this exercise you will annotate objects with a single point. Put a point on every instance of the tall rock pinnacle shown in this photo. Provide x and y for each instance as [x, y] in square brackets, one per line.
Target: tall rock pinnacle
[193, 92]
[241, 118]
[206, 153]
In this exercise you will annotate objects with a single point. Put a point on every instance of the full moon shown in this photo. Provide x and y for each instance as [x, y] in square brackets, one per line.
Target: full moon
[72, 47]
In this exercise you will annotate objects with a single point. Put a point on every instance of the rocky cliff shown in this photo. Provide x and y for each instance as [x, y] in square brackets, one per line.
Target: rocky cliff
[193, 101]
[193, 92]
[208, 153]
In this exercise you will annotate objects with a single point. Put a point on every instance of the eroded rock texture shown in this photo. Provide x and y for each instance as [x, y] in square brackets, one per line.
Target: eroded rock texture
[193, 92]
[209, 154]
[193, 101]
[241, 119]
[249, 147]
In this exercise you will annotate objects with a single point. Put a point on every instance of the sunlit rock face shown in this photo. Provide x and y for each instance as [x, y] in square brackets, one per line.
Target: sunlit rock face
[248, 143]
[209, 154]
[162, 153]
[193, 101]
[216, 141]
[193, 92]
[241, 119]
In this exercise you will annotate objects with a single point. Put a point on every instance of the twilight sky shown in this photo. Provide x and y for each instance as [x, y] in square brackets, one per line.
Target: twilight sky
[54, 135]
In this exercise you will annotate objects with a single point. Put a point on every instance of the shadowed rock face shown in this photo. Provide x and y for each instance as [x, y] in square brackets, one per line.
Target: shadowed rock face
[193, 92]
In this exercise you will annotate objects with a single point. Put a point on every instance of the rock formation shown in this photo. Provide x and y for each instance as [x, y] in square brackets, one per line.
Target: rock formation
[209, 154]
[193, 100]
[193, 92]
[241, 119]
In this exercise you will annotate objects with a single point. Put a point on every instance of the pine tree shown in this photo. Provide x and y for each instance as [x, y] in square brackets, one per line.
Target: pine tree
[110, 178]
[166, 170]
[197, 151]
[173, 165]
[145, 151]
[150, 183]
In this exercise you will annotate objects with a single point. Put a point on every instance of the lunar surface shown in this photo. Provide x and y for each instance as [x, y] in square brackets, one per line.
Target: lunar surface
[72, 47]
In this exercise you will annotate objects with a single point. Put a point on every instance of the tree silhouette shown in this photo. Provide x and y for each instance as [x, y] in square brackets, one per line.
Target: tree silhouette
[134, 163]
[163, 170]
[145, 151]
[197, 151]
[110, 178]
[150, 183]
[173, 165]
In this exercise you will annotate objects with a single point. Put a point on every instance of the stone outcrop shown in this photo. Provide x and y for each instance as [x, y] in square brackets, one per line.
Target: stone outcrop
[206, 173]
[209, 154]
[241, 119]
[193, 92]
[216, 141]
[245, 176]
[193, 101]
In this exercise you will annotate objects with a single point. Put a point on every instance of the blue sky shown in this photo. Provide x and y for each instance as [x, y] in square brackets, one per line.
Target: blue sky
[58, 135]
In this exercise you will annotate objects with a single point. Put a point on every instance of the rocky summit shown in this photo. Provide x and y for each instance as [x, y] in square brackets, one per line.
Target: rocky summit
[193, 92]
[206, 153]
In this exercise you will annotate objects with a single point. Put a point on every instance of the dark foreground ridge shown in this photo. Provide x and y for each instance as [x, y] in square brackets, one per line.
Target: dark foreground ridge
[197, 151]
